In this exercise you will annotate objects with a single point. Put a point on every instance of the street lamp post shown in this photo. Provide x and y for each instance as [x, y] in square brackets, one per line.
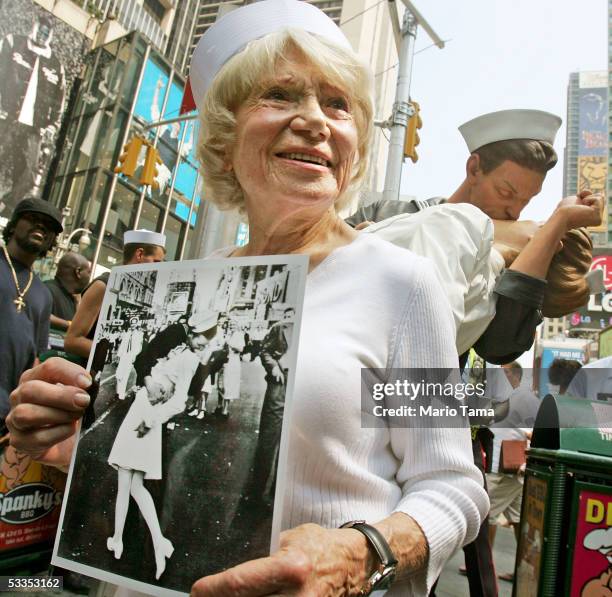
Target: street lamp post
[402, 109]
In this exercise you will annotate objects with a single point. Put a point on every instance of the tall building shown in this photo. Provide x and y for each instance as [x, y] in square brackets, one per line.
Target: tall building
[153, 18]
[127, 86]
[180, 44]
[570, 153]
[209, 10]
[585, 163]
[553, 328]
[609, 185]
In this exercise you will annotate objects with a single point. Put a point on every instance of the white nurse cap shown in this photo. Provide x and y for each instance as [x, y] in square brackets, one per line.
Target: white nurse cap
[237, 28]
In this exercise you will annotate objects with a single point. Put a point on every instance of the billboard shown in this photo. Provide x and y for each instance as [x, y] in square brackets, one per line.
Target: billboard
[40, 56]
[592, 166]
[592, 172]
[552, 351]
[597, 314]
[592, 121]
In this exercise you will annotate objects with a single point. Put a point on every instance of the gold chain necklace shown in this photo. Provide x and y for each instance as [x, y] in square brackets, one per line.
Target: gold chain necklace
[19, 301]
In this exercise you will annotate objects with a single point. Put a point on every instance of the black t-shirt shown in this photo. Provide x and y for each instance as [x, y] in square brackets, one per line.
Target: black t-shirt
[24, 334]
[63, 303]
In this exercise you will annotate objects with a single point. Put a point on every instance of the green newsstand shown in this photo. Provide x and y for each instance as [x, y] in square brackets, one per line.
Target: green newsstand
[565, 542]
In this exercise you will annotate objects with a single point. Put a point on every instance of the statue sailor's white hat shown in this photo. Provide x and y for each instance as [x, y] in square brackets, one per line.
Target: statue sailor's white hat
[510, 124]
[232, 32]
[145, 237]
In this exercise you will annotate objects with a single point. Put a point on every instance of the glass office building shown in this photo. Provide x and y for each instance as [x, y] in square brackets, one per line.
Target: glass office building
[127, 86]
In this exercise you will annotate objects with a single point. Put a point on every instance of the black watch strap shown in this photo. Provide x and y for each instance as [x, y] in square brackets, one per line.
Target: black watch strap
[376, 540]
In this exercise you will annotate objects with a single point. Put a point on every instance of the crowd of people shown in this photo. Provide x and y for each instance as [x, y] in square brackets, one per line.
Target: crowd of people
[286, 124]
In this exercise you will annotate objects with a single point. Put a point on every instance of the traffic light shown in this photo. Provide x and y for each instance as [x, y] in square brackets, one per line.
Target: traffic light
[128, 160]
[412, 136]
[149, 170]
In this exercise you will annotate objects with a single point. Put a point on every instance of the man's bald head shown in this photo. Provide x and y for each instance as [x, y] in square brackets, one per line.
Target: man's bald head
[74, 272]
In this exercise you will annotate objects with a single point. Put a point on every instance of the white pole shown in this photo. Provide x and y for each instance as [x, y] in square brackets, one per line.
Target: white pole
[402, 110]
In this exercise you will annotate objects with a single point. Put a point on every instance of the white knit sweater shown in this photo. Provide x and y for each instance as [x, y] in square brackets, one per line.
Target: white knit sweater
[372, 304]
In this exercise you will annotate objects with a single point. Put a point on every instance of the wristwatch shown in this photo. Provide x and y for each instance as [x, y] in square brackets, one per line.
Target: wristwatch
[385, 572]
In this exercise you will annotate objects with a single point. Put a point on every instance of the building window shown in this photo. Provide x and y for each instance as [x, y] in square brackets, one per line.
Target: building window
[156, 9]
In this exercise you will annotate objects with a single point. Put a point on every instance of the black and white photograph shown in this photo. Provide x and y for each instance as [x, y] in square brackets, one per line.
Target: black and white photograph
[180, 455]
[40, 57]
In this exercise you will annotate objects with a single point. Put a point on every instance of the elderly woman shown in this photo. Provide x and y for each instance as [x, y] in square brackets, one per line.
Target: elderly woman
[286, 125]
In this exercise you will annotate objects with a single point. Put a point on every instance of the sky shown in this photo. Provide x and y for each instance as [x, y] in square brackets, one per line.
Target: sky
[500, 54]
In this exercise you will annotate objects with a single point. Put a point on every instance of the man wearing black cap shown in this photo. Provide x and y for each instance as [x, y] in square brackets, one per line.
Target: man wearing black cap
[25, 302]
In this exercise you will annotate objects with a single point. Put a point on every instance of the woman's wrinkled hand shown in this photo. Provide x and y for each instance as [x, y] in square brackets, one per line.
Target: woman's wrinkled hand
[311, 562]
[584, 209]
[45, 408]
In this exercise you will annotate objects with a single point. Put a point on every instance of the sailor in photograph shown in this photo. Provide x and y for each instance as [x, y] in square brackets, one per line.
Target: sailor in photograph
[207, 376]
[137, 450]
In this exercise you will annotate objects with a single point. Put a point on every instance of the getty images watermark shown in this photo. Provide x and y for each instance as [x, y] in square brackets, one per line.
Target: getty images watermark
[424, 398]
[495, 397]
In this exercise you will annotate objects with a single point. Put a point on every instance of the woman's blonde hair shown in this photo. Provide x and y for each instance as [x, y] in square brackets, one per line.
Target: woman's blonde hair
[244, 73]
[567, 289]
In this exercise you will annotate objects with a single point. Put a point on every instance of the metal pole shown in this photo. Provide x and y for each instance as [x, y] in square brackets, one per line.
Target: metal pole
[162, 111]
[402, 110]
[173, 181]
[191, 206]
[198, 234]
[125, 136]
[158, 123]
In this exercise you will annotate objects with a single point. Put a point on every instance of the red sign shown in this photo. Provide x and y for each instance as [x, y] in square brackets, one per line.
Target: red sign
[604, 262]
[597, 314]
[592, 563]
